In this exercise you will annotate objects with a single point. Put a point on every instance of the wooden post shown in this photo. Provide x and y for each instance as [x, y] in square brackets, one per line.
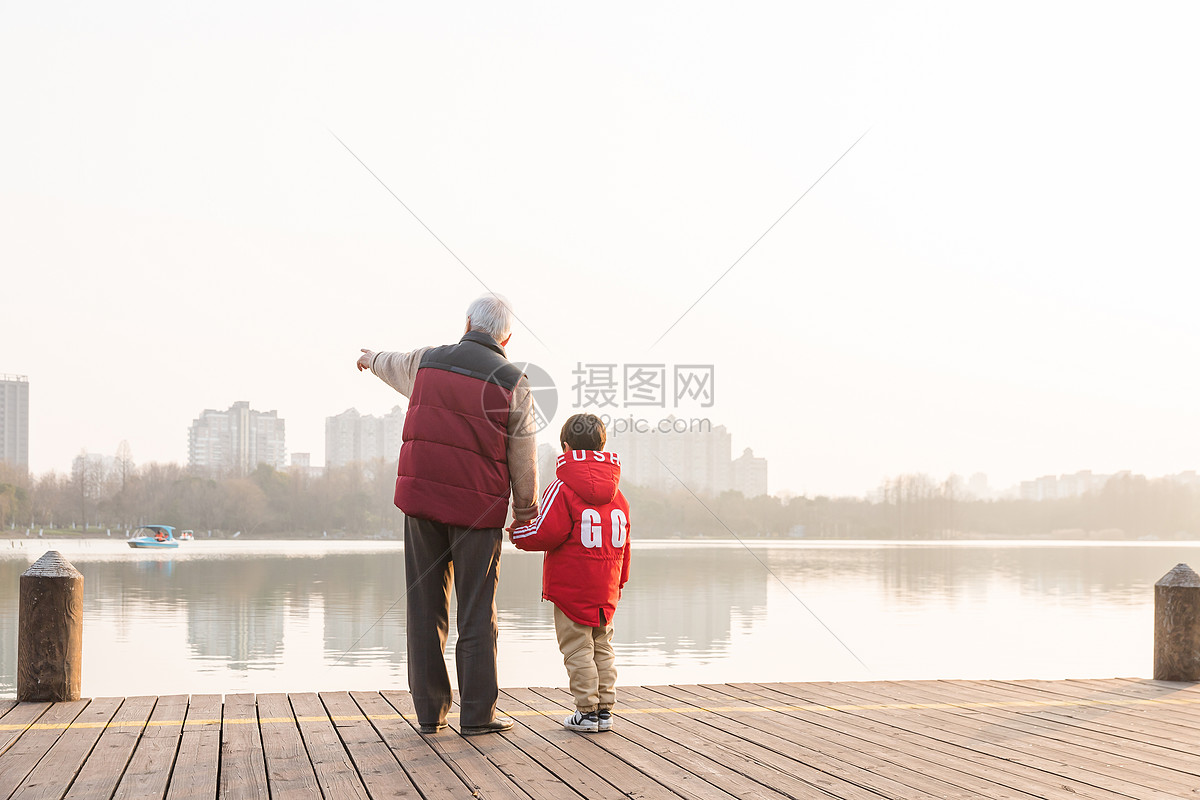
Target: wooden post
[1177, 626]
[50, 631]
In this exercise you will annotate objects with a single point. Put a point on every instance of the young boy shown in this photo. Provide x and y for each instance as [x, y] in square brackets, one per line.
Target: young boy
[583, 526]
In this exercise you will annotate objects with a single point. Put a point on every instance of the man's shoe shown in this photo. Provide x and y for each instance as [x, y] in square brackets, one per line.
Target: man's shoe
[604, 720]
[584, 723]
[497, 725]
[430, 727]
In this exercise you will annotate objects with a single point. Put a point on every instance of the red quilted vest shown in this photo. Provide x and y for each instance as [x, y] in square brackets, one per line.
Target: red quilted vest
[453, 464]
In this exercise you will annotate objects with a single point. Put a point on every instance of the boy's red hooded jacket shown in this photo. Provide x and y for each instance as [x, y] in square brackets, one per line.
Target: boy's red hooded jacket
[584, 529]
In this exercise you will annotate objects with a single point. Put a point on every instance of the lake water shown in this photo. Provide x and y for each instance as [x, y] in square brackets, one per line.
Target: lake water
[306, 616]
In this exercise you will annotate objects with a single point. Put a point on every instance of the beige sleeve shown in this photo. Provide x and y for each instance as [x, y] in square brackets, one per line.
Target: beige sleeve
[522, 453]
[398, 370]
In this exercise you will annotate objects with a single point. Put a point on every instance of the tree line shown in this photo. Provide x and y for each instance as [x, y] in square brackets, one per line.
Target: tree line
[356, 500]
[918, 507]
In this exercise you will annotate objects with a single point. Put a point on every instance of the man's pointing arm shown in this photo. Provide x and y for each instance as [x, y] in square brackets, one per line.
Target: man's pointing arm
[398, 370]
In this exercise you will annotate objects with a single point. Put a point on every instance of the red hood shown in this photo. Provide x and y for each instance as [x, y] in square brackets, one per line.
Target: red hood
[591, 474]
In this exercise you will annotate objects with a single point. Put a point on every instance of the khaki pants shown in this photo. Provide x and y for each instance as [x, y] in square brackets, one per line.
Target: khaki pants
[590, 661]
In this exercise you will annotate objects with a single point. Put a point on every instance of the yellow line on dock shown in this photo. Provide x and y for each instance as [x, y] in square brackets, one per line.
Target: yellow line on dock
[57, 726]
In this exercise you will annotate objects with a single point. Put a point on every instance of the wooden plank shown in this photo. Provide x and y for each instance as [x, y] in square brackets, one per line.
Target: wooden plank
[35, 742]
[426, 769]
[1021, 749]
[197, 767]
[56, 771]
[148, 770]
[993, 737]
[701, 730]
[1185, 688]
[1098, 715]
[1003, 740]
[837, 736]
[960, 754]
[544, 739]
[912, 725]
[739, 744]
[1188, 694]
[625, 772]
[1104, 737]
[1139, 724]
[1109, 745]
[18, 718]
[520, 754]
[953, 765]
[1181, 700]
[1060, 743]
[1170, 706]
[859, 763]
[687, 756]
[335, 771]
[1181, 689]
[472, 769]
[104, 767]
[657, 731]
[381, 773]
[6, 705]
[290, 774]
[1131, 698]
[682, 781]
[1192, 685]
[243, 766]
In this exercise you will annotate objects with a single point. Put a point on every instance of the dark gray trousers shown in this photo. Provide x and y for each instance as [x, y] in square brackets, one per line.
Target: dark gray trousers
[435, 556]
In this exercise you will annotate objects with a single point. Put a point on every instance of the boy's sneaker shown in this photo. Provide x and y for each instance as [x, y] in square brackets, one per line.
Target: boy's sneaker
[604, 720]
[584, 723]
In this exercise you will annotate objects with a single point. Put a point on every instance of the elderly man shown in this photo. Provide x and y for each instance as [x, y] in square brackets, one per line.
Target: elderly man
[468, 438]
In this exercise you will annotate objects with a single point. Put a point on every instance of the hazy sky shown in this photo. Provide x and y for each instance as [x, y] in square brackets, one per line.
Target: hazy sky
[1000, 277]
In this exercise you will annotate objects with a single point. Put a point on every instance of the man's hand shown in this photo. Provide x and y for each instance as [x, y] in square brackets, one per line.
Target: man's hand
[364, 361]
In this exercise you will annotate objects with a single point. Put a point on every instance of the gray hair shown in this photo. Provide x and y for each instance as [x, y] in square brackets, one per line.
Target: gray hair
[492, 314]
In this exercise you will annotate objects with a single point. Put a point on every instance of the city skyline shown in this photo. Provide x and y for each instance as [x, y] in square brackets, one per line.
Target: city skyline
[701, 459]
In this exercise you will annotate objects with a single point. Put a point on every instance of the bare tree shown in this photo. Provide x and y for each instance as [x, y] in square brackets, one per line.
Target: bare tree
[87, 482]
[124, 465]
[123, 474]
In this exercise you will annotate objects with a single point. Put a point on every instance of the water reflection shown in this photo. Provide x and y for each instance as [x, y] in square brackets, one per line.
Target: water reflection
[683, 604]
[303, 616]
[10, 575]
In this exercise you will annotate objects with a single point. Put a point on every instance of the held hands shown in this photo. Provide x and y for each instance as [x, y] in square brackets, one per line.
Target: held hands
[364, 361]
[521, 523]
[511, 528]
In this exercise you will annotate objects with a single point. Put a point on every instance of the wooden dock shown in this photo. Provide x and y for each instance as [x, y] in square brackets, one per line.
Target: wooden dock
[1059, 740]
